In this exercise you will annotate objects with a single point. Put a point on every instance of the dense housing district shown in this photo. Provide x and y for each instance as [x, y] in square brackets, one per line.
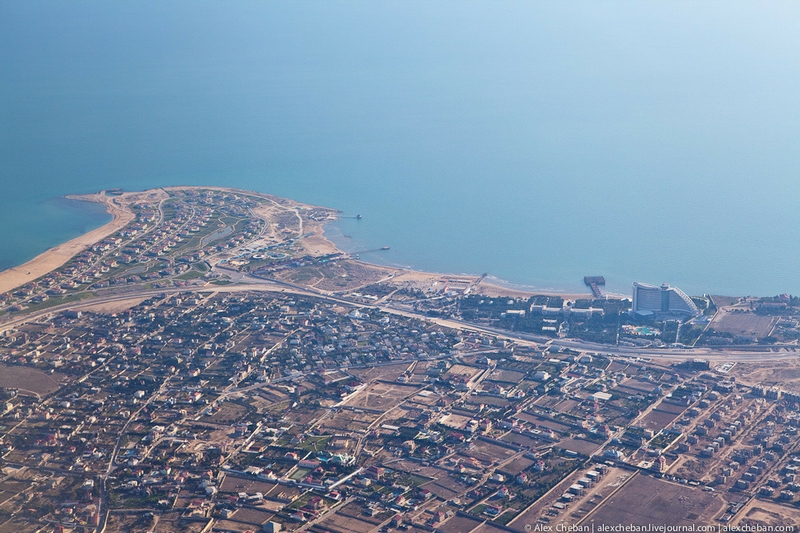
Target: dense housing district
[214, 364]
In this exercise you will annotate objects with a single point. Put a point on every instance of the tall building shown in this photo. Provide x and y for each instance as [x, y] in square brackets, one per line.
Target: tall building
[649, 299]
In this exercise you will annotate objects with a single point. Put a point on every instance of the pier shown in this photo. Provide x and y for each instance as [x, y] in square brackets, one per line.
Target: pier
[594, 283]
[381, 249]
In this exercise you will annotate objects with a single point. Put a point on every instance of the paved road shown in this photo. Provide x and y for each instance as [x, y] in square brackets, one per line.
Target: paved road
[245, 282]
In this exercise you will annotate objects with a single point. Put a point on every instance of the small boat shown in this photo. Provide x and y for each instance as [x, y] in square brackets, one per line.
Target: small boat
[359, 217]
[384, 248]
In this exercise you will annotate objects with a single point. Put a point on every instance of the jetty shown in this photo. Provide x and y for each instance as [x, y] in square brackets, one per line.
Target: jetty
[381, 249]
[594, 283]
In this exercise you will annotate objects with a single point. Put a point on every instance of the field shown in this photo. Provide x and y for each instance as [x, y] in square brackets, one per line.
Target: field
[542, 508]
[764, 513]
[746, 324]
[646, 500]
[381, 396]
[388, 372]
[488, 453]
[581, 446]
[784, 374]
[29, 379]
[445, 487]
[138, 523]
[350, 519]
[226, 413]
[460, 524]
[349, 420]
[241, 484]
[658, 419]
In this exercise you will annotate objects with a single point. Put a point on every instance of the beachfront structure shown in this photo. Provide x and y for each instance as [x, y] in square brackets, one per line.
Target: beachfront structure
[650, 299]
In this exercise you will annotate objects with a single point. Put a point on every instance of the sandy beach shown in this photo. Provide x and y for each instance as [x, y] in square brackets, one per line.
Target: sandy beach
[314, 242]
[55, 257]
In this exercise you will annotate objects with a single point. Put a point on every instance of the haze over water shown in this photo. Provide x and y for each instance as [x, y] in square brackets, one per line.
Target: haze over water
[536, 141]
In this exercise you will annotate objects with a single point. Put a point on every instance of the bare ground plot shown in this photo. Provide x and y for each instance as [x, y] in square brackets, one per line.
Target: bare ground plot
[523, 440]
[618, 366]
[455, 421]
[764, 513]
[232, 525]
[673, 408]
[460, 524]
[425, 399]
[240, 484]
[114, 307]
[785, 373]
[388, 372]
[647, 500]
[635, 386]
[506, 376]
[252, 516]
[349, 421]
[30, 379]
[516, 466]
[335, 276]
[746, 324]
[581, 446]
[445, 487]
[284, 492]
[227, 413]
[133, 523]
[493, 401]
[381, 396]
[488, 453]
[465, 371]
[345, 524]
[566, 406]
[541, 421]
[613, 478]
[657, 420]
[172, 523]
[356, 510]
[488, 527]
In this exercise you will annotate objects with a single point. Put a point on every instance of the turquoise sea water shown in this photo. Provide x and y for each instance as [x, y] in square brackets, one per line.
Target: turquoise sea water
[536, 141]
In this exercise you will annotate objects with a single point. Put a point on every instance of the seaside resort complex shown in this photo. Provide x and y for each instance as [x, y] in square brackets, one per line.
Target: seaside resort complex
[211, 363]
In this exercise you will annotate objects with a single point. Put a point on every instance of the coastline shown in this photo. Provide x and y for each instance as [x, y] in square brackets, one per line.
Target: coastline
[55, 257]
[316, 242]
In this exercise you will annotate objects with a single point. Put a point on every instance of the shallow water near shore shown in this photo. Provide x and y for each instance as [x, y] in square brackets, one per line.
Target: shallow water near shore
[538, 142]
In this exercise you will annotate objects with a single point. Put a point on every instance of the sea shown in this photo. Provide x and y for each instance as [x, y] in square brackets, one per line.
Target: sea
[536, 141]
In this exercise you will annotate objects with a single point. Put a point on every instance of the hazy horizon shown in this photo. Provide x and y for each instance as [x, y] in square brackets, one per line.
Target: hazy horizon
[539, 142]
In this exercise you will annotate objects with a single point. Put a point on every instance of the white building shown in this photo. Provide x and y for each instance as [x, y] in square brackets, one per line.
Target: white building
[649, 299]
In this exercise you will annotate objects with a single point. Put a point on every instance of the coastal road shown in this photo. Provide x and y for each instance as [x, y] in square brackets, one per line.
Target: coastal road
[244, 282]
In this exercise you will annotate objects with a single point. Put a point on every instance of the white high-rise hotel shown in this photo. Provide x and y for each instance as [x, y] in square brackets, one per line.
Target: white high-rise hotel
[648, 299]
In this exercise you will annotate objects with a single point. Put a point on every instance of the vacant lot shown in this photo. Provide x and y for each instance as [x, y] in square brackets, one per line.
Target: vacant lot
[647, 500]
[388, 372]
[241, 484]
[460, 524]
[487, 452]
[785, 373]
[747, 324]
[381, 396]
[581, 446]
[349, 421]
[29, 379]
[340, 522]
[764, 513]
[658, 420]
[445, 487]
[542, 508]
[227, 413]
